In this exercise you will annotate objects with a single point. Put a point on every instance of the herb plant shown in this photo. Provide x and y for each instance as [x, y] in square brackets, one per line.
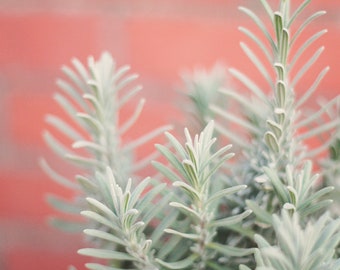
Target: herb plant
[255, 205]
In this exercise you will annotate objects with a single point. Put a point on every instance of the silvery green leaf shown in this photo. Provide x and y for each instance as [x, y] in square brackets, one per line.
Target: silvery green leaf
[67, 107]
[120, 72]
[217, 165]
[80, 68]
[125, 81]
[260, 213]
[320, 129]
[146, 137]
[267, 8]
[271, 141]
[311, 89]
[242, 100]
[71, 92]
[236, 138]
[225, 222]
[278, 22]
[176, 144]
[147, 245]
[315, 116]
[100, 219]
[133, 118]
[145, 202]
[63, 205]
[179, 264]
[58, 148]
[85, 162]
[78, 81]
[230, 250]
[313, 208]
[280, 70]
[307, 66]
[217, 155]
[102, 208]
[275, 127]
[138, 190]
[104, 235]
[168, 173]
[307, 246]
[153, 213]
[93, 124]
[145, 161]
[190, 191]
[284, 46]
[244, 267]
[164, 223]
[281, 114]
[313, 199]
[96, 266]
[132, 92]
[184, 235]
[171, 158]
[136, 227]
[57, 177]
[185, 209]
[280, 188]
[191, 172]
[96, 105]
[305, 24]
[69, 226]
[251, 85]
[289, 207]
[87, 184]
[90, 145]
[281, 93]
[259, 43]
[293, 195]
[62, 126]
[236, 119]
[298, 11]
[105, 254]
[225, 193]
[304, 47]
[260, 24]
[257, 62]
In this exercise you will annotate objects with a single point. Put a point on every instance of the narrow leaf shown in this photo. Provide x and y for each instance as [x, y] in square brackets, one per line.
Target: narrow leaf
[271, 141]
[105, 254]
[179, 264]
[260, 213]
[230, 250]
[225, 222]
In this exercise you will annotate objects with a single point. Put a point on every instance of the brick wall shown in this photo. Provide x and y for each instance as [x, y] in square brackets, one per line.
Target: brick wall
[157, 38]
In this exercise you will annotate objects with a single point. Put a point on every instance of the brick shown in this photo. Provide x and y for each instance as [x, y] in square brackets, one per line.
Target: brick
[28, 245]
[23, 195]
[33, 258]
[26, 116]
[27, 102]
[46, 39]
[162, 46]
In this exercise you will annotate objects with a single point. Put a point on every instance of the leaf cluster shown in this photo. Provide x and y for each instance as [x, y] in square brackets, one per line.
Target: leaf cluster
[261, 209]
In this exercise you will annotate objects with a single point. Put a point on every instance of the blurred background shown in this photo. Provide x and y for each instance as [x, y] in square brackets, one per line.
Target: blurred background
[158, 38]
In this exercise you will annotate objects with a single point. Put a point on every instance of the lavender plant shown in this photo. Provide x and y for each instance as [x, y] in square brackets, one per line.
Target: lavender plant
[257, 209]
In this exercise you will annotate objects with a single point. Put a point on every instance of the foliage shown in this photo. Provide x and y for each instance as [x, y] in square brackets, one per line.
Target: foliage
[259, 210]
[308, 247]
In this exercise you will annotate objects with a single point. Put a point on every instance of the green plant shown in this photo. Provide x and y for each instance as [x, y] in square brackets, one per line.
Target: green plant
[258, 209]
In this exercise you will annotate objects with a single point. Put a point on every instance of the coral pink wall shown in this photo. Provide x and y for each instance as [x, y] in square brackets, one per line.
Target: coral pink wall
[157, 38]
